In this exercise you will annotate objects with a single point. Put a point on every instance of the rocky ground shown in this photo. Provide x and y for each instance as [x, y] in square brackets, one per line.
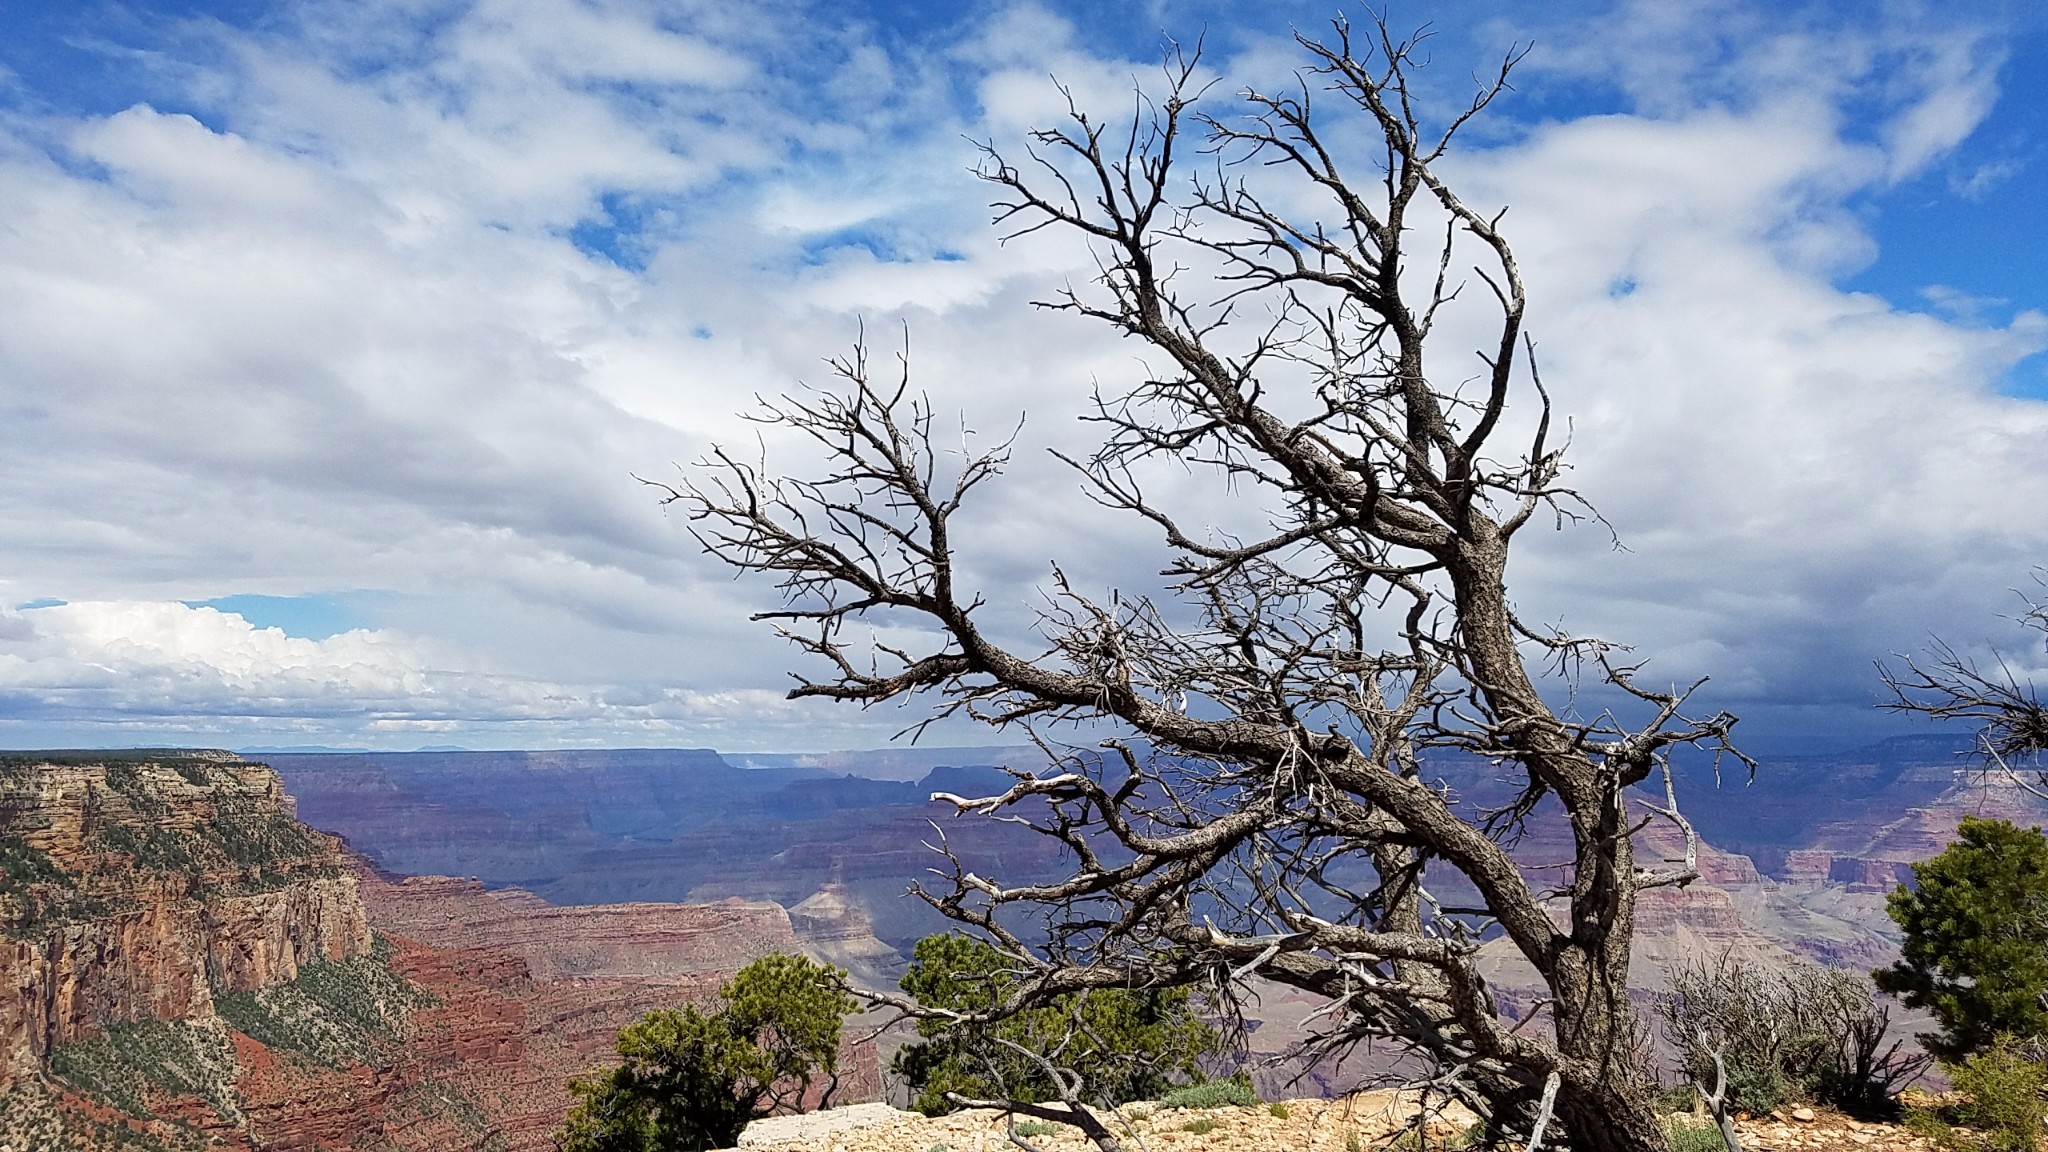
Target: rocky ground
[1368, 1120]
[1809, 1128]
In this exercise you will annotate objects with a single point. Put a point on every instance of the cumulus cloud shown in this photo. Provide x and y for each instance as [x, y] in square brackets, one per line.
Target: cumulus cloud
[371, 300]
[153, 664]
[1803, 476]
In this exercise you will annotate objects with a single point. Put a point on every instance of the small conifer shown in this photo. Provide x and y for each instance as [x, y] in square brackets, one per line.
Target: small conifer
[1975, 953]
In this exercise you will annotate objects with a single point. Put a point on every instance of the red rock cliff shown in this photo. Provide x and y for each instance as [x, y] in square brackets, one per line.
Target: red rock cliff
[132, 888]
[180, 894]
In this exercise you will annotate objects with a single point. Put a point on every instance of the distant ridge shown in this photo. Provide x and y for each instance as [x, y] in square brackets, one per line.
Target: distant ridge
[902, 764]
[73, 756]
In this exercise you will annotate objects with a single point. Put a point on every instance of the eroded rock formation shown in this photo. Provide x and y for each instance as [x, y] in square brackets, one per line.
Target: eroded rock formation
[185, 965]
[136, 888]
[652, 942]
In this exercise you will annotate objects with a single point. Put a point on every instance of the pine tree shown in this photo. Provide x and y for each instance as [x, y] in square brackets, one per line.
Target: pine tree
[1976, 938]
[692, 1078]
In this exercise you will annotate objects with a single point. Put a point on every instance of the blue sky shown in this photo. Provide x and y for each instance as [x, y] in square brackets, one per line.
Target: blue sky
[331, 335]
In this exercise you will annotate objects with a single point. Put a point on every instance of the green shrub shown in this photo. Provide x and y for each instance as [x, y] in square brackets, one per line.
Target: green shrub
[1277, 1110]
[2001, 1108]
[1674, 1098]
[1125, 1044]
[1411, 1139]
[1689, 1135]
[691, 1079]
[1233, 1093]
[1030, 1128]
[1975, 952]
[1200, 1126]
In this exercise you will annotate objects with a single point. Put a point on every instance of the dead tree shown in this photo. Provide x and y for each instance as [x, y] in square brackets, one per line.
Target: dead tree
[1717, 1101]
[2012, 723]
[1272, 813]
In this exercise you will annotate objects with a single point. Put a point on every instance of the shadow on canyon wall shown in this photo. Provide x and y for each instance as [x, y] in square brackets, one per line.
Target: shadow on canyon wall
[606, 826]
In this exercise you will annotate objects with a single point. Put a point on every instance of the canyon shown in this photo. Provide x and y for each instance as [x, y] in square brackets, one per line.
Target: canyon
[614, 826]
[1796, 859]
[191, 966]
[416, 952]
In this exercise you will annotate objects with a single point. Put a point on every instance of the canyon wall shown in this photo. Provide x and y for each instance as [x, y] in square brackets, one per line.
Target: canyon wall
[532, 993]
[134, 889]
[583, 827]
[187, 966]
[648, 942]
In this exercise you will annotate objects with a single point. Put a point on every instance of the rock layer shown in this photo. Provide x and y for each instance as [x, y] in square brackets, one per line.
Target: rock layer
[651, 942]
[187, 966]
[135, 888]
[533, 994]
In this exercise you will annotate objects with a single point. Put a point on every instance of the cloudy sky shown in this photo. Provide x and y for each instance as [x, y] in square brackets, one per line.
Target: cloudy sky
[332, 335]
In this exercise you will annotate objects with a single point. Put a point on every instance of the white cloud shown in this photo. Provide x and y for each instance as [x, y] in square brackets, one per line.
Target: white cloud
[1806, 478]
[1957, 75]
[316, 321]
[155, 663]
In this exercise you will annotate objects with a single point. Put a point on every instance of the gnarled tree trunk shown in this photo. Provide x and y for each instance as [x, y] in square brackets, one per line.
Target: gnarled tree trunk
[1275, 813]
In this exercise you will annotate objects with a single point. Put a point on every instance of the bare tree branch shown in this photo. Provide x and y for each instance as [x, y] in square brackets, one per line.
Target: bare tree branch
[1274, 814]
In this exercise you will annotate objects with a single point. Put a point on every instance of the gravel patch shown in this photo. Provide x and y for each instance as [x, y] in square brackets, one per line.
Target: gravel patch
[1366, 1122]
[1362, 1121]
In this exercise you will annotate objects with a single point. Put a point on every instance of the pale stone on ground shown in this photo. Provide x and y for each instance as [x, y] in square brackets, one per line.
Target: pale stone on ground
[1364, 1120]
[810, 1126]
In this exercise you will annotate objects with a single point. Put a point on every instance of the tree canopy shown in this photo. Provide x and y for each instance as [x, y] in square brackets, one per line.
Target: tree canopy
[1122, 1044]
[691, 1079]
[1976, 938]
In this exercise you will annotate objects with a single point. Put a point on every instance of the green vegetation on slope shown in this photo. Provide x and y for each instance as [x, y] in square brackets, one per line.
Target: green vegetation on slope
[337, 1013]
[35, 893]
[231, 838]
[247, 833]
[130, 1063]
[33, 1118]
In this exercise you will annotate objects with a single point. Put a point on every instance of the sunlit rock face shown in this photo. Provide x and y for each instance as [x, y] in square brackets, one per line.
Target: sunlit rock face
[649, 942]
[182, 960]
[135, 889]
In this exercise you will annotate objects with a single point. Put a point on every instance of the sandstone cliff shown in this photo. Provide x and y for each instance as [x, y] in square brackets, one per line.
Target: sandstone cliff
[533, 994]
[650, 942]
[133, 889]
[186, 966]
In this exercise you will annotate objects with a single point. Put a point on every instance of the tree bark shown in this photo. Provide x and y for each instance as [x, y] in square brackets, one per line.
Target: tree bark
[1617, 1116]
[1310, 671]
